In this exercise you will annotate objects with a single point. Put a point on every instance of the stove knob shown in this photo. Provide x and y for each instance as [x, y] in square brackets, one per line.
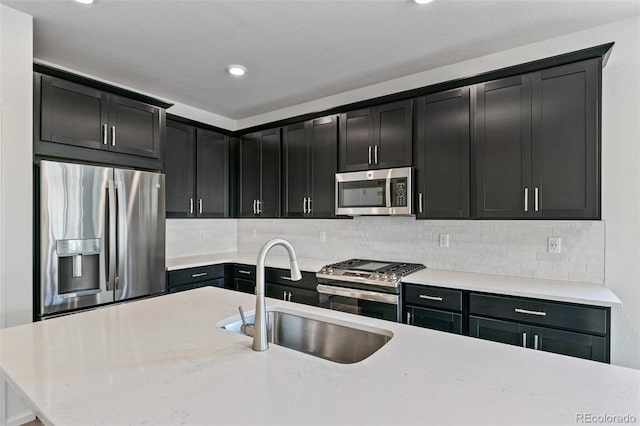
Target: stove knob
[385, 277]
[330, 271]
[394, 277]
[376, 276]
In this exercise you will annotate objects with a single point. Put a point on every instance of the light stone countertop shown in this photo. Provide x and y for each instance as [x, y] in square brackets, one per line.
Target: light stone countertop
[562, 291]
[164, 361]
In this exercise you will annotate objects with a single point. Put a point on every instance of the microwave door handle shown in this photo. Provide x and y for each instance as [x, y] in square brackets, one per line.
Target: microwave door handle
[388, 191]
[110, 234]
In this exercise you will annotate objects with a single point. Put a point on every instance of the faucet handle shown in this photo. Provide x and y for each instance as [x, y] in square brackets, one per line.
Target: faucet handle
[247, 329]
[244, 320]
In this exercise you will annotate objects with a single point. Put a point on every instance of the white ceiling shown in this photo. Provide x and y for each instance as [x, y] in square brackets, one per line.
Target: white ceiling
[295, 51]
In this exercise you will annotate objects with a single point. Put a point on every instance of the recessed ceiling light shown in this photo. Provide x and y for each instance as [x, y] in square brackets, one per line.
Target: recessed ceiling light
[236, 70]
[423, 1]
[85, 1]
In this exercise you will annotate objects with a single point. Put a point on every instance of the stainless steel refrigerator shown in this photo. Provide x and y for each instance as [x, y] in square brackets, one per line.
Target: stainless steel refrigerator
[102, 236]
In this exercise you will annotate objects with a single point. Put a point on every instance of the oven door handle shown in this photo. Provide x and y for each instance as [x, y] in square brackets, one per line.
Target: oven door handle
[372, 296]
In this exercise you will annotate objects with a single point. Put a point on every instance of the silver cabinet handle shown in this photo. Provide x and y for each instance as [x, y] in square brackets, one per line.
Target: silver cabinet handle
[113, 135]
[420, 202]
[104, 134]
[201, 274]
[309, 205]
[289, 296]
[190, 205]
[284, 295]
[254, 206]
[535, 198]
[535, 342]
[436, 298]
[369, 154]
[375, 155]
[526, 199]
[200, 206]
[409, 318]
[242, 271]
[258, 210]
[524, 340]
[525, 311]
[304, 205]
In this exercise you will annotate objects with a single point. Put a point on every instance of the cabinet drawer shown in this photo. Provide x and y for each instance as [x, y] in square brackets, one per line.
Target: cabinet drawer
[434, 319]
[540, 312]
[195, 275]
[246, 272]
[433, 297]
[283, 277]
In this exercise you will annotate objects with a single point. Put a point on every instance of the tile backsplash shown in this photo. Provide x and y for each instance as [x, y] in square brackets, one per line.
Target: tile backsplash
[488, 246]
[187, 237]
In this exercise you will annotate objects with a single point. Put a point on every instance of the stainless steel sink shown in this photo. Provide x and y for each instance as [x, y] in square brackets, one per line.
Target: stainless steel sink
[318, 336]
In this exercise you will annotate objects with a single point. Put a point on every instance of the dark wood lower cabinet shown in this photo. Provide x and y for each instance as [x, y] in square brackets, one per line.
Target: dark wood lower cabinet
[563, 342]
[436, 320]
[292, 294]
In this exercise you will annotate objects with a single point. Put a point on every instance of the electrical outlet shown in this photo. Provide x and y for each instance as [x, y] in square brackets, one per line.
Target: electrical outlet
[444, 240]
[322, 236]
[553, 245]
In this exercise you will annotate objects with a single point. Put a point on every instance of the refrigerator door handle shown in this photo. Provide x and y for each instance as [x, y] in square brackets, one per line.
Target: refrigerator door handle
[111, 234]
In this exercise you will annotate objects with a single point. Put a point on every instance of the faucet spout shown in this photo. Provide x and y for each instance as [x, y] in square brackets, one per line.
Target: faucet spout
[260, 341]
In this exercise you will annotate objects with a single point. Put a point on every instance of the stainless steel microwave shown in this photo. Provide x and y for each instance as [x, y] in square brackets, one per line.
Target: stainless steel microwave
[374, 192]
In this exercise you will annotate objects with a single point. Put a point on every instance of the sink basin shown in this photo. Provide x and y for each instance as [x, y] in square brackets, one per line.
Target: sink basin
[318, 336]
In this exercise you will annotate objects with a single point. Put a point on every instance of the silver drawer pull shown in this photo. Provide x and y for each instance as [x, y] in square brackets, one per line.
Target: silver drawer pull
[525, 311]
[287, 278]
[201, 274]
[436, 298]
[242, 271]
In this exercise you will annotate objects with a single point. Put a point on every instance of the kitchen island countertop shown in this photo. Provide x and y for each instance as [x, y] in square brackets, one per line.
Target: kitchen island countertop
[165, 361]
[537, 288]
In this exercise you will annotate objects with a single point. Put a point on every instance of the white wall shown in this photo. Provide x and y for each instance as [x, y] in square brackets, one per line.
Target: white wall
[188, 237]
[16, 174]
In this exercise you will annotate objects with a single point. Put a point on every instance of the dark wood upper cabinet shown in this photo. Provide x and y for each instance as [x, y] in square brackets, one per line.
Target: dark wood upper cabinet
[503, 147]
[259, 174]
[179, 170]
[376, 138]
[310, 162]
[537, 144]
[442, 147]
[212, 174]
[134, 127]
[74, 114]
[565, 140]
[196, 166]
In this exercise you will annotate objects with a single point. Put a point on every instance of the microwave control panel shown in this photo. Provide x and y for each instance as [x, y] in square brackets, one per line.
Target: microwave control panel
[399, 192]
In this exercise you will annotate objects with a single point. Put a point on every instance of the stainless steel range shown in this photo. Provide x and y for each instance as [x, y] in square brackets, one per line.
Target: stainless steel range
[365, 287]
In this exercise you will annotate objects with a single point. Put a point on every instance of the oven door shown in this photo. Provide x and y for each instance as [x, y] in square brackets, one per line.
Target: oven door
[360, 302]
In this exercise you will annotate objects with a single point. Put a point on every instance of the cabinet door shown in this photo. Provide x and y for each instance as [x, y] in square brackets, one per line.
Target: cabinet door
[324, 162]
[566, 141]
[393, 135]
[356, 140]
[270, 173]
[434, 319]
[292, 294]
[134, 127]
[244, 286]
[507, 332]
[296, 169]
[73, 114]
[212, 174]
[443, 154]
[503, 148]
[179, 170]
[249, 175]
[567, 343]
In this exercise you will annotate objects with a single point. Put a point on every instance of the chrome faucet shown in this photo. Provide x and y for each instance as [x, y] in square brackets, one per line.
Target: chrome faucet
[260, 342]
